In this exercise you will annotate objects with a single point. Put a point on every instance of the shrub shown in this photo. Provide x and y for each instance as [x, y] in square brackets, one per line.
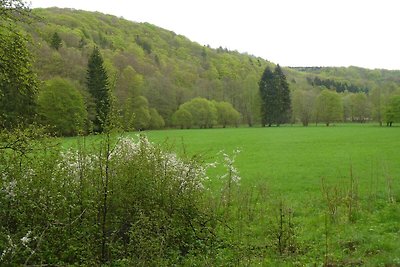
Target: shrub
[118, 201]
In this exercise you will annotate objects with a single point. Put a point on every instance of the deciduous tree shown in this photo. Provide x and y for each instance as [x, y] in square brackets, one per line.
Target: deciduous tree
[303, 105]
[156, 121]
[140, 107]
[60, 105]
[182, 118]
[226, 114]
[392, 111]
[18, 82]
[329, 107]
[203, 112]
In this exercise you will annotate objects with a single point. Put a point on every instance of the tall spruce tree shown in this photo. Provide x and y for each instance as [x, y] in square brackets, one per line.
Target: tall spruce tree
[275, 97]
[267, 91]
[283, 93]
[97, 83]
[56, 41]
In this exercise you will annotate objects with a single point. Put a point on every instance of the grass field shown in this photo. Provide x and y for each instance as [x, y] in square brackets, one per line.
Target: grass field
[337, 189]
[291, 162]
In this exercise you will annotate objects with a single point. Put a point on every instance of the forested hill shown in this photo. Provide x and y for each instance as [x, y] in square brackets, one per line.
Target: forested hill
[163, 70]
[143, 59]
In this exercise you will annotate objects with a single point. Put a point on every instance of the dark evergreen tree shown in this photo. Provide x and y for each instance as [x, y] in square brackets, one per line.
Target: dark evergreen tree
[283, 94]
[56, 41]
[267, 91]
[97, 83]
[275, 97]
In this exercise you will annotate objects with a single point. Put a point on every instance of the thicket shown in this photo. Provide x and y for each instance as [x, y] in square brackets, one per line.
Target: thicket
[117, 200]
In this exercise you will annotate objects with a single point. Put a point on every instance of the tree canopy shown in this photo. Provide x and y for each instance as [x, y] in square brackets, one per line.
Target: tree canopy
[392, 112]
[143, 60]
[18, 81]
[329, 107]
[61, 106]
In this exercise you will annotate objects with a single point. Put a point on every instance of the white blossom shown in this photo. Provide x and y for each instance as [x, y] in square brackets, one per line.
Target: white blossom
[9, 188]
[189, 174]
[228, 162]
[25, 240]
[10, 249]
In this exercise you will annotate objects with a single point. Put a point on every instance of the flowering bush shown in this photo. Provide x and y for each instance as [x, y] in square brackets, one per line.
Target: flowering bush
[122, 199]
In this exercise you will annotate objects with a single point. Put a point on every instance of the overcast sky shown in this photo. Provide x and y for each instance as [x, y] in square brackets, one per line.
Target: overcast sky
[363, 33]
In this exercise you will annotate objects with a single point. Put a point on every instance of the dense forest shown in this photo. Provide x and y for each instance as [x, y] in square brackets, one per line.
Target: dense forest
[152, 72]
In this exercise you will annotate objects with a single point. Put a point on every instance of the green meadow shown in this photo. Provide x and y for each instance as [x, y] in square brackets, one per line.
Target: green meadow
[339, 188]
[307, 196]
[292, 160]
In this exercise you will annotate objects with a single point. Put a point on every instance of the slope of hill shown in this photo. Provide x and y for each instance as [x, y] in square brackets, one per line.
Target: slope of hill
[168, 69]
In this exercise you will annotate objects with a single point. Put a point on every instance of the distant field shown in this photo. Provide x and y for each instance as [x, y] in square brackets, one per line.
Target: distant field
[294, 159]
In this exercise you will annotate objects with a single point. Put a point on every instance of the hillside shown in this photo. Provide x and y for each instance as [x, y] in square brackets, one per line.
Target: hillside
[168, 69]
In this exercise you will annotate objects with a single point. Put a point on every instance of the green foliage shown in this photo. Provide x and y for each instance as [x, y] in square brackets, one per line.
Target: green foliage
[169, 70]
[13, 12]
[203, 111]
[132, 203]
[287, 202]
[392, 112]
[360, 107]
[283, 96]
[56, 41]
[227, 114]
[275, 97]
[116, 201]
[156, 121]
[98, 86]
[303, 105]
[129, 84]
[329, 107]
[61, 106]
[18, 82]
[182, 118]
[142, 114]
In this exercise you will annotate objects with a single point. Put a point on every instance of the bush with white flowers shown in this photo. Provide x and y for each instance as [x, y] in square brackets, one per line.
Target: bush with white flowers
[125, 199]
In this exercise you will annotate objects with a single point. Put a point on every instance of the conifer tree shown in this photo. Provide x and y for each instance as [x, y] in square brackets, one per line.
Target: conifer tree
[56, 41]
[267, 95]
[97, 83]
[283, 94]
[275, 97]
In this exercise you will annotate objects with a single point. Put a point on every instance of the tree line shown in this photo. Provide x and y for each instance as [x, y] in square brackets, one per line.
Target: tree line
[157, 80]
